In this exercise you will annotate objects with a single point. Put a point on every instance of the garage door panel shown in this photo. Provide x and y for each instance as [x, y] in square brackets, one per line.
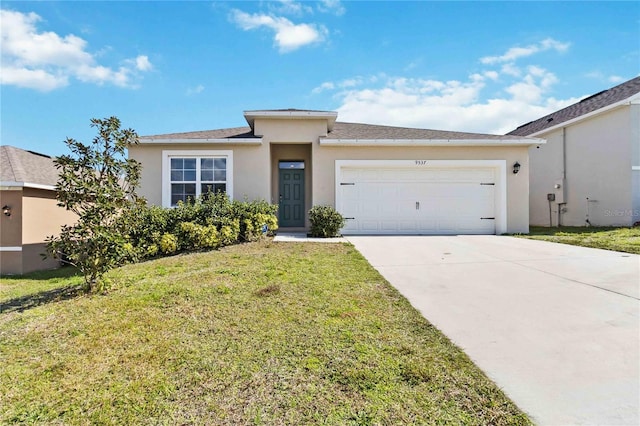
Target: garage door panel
[414, 201]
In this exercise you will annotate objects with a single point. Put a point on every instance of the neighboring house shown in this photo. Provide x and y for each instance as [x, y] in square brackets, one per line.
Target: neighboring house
[29, 210]
[591, 162]
[384, 180]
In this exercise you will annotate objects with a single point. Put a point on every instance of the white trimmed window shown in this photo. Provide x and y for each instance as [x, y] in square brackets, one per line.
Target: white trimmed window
[190, 174]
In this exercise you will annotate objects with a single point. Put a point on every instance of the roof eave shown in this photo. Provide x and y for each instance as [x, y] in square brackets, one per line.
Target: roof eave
[528, 141]
[13, 184]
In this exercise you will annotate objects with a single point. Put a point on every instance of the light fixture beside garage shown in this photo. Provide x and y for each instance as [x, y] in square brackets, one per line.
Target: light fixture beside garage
[6, 210]
[516, 168]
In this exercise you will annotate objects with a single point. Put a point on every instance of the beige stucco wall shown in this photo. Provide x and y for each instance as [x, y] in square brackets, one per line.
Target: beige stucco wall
[11, 232]
[35, 216]
[598, 167]
[11, 226]
[37, 205]
[251, 169]
[255, 168]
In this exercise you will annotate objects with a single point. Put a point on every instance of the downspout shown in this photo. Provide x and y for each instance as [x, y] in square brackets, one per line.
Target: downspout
[564, 176]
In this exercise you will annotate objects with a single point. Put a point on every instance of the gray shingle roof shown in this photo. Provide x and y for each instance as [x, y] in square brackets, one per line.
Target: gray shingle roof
[231, 133]
[372, 131]
[589, 104]
[18, 165]
[342, 130]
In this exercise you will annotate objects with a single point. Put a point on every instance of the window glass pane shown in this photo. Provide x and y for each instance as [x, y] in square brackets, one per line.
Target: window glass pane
[207, 188]
[176, 198]
[206, 163]
[220, 175]
[220, 187]
[189, 175]
[206, 175]
[291, 165]
[220, 163]
[176, 175]
[190, 189]
[176, 163]
[190, 163]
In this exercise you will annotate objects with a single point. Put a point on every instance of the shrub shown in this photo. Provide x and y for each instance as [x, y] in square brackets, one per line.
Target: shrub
[168, 243]
[206, 222]
[325, 221]
[196, 237]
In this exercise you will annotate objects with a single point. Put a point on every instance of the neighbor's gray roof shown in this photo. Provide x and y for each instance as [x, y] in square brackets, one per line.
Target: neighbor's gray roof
[18, 165]
[342, 130]
[589, 104]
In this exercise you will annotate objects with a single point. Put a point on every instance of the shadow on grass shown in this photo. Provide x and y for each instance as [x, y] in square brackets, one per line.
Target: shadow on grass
[21, 304]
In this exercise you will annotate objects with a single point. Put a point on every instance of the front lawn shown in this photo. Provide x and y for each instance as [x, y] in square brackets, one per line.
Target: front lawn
[617, 239]
[259, 333]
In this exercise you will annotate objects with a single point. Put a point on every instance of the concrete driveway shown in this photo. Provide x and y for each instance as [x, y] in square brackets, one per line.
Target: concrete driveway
[555, 326]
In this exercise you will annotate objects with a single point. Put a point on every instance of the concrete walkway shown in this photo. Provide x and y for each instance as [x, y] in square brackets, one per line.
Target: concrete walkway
[555, 326]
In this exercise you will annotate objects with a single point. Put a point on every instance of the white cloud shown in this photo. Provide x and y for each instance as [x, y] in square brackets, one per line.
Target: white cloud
[288, 36]
[331, 6]
[289, 7]
[46, 61]
[520, 52]
[492, 100]
[195, 90]
[143, 63]
[450, 105]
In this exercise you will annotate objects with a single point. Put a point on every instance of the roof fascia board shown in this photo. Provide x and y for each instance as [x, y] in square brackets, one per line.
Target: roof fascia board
[635, 99]
[433, 142]
[27, 185]
[227, 141]
[330, 116]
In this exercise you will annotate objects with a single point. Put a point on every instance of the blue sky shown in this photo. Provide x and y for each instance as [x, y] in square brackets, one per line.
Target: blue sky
[164, 67]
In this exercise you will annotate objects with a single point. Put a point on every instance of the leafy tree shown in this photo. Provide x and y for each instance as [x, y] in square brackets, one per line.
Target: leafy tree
[96, 182]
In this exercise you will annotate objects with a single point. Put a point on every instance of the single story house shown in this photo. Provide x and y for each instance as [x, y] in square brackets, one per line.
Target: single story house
[588, 173]
[384, 180]
[29, 210]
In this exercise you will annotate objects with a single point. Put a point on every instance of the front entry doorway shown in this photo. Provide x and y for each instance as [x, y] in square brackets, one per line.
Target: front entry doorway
[291, 209]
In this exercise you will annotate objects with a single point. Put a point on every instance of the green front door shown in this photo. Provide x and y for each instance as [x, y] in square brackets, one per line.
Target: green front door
[291, 205]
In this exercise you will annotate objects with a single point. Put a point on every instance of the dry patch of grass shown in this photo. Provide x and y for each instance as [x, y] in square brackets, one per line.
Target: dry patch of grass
[617, 239]
[260, 333]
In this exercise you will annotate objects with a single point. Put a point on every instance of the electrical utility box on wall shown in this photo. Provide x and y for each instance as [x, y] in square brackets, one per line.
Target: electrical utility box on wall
[559, 191]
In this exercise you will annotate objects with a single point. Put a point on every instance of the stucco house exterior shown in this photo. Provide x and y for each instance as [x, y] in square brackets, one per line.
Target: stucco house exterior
[384, 180]
[591, 162]
[29, 210]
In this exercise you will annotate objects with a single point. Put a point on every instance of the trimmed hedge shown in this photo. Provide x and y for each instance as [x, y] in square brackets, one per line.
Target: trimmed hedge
[205, 223]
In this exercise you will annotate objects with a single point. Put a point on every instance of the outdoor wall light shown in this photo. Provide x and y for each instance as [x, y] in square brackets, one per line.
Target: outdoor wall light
[516, 168]
[6, 210]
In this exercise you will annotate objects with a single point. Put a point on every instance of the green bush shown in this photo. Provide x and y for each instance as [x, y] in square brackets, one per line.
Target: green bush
[168, 243]
[325, 221]
[197, 237]
[206, 222]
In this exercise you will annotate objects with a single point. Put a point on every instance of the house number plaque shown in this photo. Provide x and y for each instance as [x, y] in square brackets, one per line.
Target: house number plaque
[421, 162]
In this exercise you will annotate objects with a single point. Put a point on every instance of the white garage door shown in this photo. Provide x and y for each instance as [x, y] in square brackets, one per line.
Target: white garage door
[417, 200]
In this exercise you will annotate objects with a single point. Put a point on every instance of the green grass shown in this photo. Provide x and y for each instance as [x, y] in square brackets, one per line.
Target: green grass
[260, 333]
[617, 239]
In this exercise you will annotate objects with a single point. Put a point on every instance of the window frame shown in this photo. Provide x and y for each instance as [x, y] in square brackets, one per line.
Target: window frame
[167, 155]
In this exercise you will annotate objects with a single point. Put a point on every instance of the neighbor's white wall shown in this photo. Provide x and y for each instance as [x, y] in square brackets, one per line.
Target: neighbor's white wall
[598, 167]
[635, 162]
